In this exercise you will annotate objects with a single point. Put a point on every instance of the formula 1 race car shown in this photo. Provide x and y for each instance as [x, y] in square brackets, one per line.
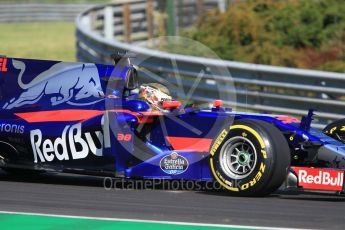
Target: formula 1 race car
[56, 116]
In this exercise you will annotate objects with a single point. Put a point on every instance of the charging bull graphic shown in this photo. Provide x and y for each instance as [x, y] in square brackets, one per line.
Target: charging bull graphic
[62, 83]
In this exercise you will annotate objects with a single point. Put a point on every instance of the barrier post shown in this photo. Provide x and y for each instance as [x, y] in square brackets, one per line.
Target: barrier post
[149, 18]
[108, 23]
[199, 9]
[127, 22]
[171, 17]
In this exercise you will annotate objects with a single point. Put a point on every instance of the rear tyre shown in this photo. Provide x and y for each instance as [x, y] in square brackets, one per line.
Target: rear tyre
[250, 158]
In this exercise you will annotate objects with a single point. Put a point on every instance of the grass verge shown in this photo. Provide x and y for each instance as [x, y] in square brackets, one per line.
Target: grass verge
[38, 40]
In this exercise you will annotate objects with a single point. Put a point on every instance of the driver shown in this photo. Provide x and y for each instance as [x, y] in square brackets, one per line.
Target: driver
[154, 94]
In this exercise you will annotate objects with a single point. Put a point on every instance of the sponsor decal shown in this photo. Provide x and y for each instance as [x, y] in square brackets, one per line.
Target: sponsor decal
[3, 64]
[320, 179]
[73, 144]
[62, 83]
[11, 128]
[174, 164]
[218, 141]
[257, 177]
[124, 137]
[288, 119]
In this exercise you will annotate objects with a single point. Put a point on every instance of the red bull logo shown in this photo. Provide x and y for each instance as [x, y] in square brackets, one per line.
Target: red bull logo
[71, 145]
[72, 83]
[320, 179]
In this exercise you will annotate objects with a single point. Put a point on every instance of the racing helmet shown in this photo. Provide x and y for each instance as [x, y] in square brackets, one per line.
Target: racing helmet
[154, 94]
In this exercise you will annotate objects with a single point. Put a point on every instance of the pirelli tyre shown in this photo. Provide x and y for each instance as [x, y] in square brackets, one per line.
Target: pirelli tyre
[336, 130]
[250, 158]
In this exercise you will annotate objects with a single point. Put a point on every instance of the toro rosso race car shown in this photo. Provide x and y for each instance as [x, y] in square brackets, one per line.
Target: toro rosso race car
[56, 116]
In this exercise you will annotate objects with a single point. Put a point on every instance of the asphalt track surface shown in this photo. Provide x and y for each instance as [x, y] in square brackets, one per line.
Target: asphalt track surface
[67, 194]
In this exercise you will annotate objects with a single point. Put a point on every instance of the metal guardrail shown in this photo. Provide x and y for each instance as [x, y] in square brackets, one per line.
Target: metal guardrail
[26, 12]
[260, 88]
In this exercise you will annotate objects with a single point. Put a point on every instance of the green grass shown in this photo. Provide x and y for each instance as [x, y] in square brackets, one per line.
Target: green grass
[38, 40]
[36, 222]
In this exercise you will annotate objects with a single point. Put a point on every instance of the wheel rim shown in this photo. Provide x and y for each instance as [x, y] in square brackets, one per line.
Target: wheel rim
[238, 157]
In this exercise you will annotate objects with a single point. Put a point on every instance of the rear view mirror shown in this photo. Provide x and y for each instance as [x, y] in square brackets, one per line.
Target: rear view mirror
[131, 81]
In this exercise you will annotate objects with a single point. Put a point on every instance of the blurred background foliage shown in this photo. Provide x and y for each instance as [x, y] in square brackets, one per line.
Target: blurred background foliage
[293, 33]
[56, 1]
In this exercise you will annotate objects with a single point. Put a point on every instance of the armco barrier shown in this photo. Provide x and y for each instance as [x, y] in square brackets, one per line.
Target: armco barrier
[25, 12]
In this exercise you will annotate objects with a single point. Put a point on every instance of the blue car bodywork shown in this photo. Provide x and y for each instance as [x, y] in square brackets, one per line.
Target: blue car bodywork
[57, 116]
